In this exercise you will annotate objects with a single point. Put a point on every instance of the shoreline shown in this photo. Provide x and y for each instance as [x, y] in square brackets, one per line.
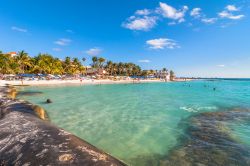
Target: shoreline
[28, 138]
[78, 82]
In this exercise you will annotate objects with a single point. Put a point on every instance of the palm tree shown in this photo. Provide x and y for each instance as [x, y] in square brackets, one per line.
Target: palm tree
[76, 61]
[109, 66]
[152, 72]
[136, 70]
[57, 67]
[172, 75]
[94, 60]
[114, 68]
[35, 67]
[101, 62]
[46, 64]
[83, 68]
[83, 59]
[76, 66]
[120, 68]
[23, 60]
[5, 63]
[67, 65]
[127, 68]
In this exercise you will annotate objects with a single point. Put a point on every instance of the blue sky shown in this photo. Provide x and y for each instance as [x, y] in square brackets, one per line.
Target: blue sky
[194, 38]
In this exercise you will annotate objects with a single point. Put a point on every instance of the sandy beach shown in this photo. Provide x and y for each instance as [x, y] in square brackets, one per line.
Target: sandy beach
[76, 82]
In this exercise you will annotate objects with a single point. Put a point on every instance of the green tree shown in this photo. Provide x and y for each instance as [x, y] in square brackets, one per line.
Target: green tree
[76, 66]
[120, 68]
[172, 75]
[109, 67]
[23, 60]
[83, 59]
[114, 68]
[67, 66]
[94, 62]
[5, 61]
[46, 64]
[101, 62]
[57, 67]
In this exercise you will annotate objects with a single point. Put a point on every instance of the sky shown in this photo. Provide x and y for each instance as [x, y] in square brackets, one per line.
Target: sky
[200, 38]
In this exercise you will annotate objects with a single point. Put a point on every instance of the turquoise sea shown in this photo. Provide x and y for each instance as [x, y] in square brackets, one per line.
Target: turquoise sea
[173, 123]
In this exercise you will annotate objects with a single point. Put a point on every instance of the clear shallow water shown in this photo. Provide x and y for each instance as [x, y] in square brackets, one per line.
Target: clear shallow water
[134, 122]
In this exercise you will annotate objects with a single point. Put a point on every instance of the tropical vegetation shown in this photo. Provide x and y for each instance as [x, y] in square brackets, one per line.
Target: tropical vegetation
[47, 64]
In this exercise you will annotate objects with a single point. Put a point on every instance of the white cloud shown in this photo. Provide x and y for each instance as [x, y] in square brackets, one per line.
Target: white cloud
[236, 17]
[19, 29]
[57, 49]
[144, 61]
[229, 13]
[209, 20]
[144, 23]
[196, 12]
[143, 12]
[162, 43]
[63, 42]
[226, 14]
[94, 51]
[146, 19]
[232, 8]
[221, 65]
[170, 12]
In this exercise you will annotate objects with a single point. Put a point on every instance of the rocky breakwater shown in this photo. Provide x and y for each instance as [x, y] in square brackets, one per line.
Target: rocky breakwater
[26, 138]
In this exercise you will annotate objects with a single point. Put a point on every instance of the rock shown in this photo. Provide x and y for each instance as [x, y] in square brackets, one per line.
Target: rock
[65, 157]
[40, 112]
[48, 101]
[26, 139]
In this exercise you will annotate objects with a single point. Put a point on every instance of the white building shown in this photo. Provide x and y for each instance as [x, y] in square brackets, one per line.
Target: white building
[163, 75]
[12, 54]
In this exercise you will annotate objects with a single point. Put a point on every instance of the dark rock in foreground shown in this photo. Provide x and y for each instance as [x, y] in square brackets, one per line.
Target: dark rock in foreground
[27, 140]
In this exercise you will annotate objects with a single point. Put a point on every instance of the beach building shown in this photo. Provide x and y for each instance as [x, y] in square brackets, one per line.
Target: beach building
[163, 75]
[96, 71]
[12, 54]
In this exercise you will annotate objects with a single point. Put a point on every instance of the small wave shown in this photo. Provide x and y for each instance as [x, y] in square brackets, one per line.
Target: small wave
[207, 108]
[197, 109]
[188, 109]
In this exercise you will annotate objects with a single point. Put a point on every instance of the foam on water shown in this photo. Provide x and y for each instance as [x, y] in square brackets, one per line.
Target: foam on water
[137, 122]
[197, 108]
